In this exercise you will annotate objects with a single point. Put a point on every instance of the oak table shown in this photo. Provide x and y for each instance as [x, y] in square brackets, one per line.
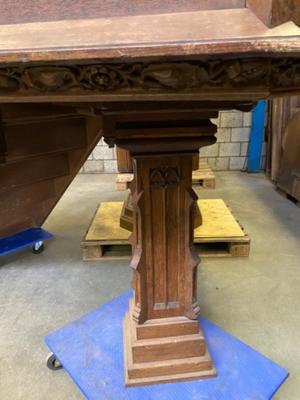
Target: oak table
[148, 76]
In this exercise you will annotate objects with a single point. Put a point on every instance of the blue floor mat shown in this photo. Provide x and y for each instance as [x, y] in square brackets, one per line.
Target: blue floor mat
[91, 351]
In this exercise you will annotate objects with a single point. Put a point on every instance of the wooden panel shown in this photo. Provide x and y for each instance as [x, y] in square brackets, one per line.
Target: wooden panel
[33, 170]
[282, 110]
[124, 160]
[289, 175]
[263, 9]
[31, 187]
[76, 159]
[28, 213]
[13, 11]
[286, 10]
[30, 194]
[277, 123]
[21, 225]
[3, 152]
[22, 113]
[275, 12]
[167, 349]
[45, 137]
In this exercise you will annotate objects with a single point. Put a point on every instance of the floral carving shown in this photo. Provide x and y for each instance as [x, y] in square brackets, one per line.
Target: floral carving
[195, 75]
[174, 76]
[7, 82]
[102, 78]
[50, 78]
[247, 73]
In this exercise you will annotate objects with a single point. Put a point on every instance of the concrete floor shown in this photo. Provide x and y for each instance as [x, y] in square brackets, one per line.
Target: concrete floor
[256, 299]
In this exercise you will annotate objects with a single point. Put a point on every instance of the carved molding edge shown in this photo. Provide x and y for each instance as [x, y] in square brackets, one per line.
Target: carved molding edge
[267, 72]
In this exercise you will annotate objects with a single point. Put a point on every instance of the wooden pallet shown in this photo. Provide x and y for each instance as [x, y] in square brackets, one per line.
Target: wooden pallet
[123, 181]
[220, 235]
[202, 177]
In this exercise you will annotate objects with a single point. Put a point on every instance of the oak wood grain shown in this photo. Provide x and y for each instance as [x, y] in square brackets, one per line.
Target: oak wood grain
[14, 12]
[135, 63]
[275, 12]
[119, 38]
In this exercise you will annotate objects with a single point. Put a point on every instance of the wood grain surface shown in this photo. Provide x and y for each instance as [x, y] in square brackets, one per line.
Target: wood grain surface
[184, 34]
[15, 11]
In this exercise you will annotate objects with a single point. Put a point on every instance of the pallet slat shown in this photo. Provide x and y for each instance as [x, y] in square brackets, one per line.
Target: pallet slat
[221, 235]
[204, 176]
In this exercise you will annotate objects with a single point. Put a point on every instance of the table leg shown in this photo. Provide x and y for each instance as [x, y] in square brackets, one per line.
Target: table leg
[163, 340]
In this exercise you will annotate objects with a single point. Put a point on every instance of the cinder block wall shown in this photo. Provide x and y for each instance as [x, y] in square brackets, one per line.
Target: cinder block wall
[229, 153]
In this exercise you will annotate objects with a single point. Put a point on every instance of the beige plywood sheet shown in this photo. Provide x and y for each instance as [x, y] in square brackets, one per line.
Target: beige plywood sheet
[106, 224]
[218, 221]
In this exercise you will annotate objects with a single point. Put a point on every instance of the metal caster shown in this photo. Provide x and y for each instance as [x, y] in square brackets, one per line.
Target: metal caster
[38, 248]
[53, 363]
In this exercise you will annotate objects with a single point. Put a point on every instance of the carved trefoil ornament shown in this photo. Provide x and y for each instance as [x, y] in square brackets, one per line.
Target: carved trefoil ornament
[164, 177]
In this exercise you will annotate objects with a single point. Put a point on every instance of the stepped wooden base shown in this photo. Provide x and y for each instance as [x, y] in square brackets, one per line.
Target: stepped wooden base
[166, 350]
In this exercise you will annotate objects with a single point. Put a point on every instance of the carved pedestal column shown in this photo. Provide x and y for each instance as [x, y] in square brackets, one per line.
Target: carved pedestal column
[162, 338]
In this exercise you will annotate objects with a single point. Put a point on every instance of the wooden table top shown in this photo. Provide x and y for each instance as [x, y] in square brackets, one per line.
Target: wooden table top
[177, 34]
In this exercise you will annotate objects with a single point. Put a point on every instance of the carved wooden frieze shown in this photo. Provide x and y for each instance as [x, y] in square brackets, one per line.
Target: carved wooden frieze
[266, 72]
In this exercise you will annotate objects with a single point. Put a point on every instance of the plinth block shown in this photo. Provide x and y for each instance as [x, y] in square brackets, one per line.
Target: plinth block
[165, 359]
[91, 351]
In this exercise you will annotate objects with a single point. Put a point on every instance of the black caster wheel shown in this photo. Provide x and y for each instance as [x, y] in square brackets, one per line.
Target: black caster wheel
[38, 248]
[53, 363]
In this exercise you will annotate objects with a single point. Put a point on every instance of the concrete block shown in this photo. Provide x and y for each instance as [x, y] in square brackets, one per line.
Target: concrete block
[224, 135]
[231, 119]
[216, 121]
[110, 166]
[244, 149]
[240, 134]
[247, 119]
[219, 163]
[93, 167]
[210, 151]
[103, 153]
[229, 149]
[102, 142]
[238, 163]
[115, 152]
